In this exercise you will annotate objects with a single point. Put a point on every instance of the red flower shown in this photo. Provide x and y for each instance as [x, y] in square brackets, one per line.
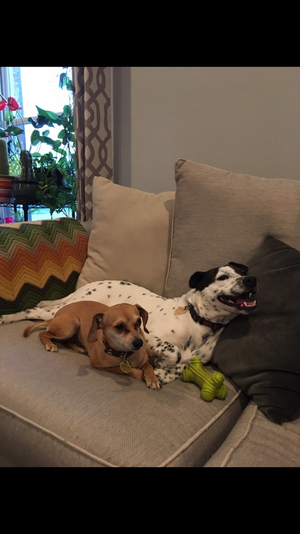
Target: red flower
[12, 104]
[2, 104]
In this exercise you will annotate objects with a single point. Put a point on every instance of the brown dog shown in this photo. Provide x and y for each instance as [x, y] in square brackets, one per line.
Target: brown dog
[112, 337]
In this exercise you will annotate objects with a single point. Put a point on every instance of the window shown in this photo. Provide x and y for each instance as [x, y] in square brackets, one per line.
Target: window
[31, 87]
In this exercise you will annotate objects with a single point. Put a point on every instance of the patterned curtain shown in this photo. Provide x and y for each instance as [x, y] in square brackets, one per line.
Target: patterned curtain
[92, 122]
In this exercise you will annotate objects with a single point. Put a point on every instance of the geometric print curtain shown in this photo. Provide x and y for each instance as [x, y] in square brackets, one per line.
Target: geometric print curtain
[92, 125]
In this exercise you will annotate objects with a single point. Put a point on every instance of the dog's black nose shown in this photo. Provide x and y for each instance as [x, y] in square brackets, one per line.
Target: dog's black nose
[250, 281]
[137, 342]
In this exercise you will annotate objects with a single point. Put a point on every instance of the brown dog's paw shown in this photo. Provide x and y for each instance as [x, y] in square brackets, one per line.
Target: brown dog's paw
[74, 346]
[152, 381]
[51, 347]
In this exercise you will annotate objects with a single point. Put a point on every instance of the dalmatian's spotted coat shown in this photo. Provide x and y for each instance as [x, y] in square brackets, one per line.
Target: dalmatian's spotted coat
[179, 328]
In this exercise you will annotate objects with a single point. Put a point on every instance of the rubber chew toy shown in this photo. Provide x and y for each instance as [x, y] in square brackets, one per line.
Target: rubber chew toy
[212, 385]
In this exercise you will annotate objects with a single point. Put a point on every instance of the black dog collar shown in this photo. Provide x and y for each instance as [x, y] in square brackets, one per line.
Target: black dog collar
[201, 320]
[114, 352]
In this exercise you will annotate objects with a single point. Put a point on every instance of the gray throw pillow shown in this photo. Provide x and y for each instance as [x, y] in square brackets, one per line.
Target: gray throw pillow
[261, 352]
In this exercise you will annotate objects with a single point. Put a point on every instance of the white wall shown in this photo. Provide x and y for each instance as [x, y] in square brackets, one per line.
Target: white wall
[243, 119]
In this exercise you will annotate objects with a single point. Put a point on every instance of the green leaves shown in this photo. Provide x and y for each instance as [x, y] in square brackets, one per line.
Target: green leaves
[35, 138]
[67, 111]
[64, 81]
[48, 114]
[14, 130]
[55, 171]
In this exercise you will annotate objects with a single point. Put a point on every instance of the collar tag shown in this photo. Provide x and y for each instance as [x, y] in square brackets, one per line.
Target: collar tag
[125, 366]
[181, 310]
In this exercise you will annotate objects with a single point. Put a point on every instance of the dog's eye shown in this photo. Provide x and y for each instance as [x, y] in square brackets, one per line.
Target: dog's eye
[119, 326]
[138, 323]
[223, 277]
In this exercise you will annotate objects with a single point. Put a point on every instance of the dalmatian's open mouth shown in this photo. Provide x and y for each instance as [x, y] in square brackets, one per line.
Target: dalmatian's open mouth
[241, 302]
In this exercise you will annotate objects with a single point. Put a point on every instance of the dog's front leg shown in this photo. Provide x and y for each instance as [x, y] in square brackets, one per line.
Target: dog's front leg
[149, 376]
[170, 374]
[205, 351]
[164, 353]
[134, 373]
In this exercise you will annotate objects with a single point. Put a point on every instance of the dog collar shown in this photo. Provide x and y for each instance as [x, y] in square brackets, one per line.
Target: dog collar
[113, 352]
[214, 326]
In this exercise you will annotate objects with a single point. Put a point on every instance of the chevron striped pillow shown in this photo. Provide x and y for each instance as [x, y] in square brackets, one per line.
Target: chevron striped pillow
[39, 261]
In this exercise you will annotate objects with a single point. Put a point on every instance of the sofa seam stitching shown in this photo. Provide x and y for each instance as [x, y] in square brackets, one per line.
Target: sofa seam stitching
[239, 442]
[57, 437]
[191, 440]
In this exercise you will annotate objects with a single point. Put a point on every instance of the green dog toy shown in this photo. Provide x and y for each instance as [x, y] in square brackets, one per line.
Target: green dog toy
[212, 385]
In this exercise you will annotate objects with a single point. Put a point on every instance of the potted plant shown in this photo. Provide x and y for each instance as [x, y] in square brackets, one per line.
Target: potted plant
[55, 170]
[47, 179]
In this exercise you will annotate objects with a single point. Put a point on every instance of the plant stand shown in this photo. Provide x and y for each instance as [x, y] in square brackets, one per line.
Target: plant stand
[24, 191]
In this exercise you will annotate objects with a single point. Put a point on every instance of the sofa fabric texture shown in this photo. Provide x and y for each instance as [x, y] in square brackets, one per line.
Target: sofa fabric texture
[130, 237]
[56, 410]
[256, 442]
[39, 261]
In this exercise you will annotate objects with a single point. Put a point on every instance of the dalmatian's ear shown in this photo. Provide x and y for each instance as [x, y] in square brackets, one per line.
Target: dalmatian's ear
[144, 315]
[239, 268]
[200, 280]
[196, 279]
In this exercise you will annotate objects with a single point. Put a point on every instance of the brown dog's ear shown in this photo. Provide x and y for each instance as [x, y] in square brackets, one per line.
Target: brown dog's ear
[144, 315]
[96, 324]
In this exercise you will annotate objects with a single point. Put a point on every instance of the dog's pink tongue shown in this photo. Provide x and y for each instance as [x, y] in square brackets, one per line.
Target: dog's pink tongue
[244, 302]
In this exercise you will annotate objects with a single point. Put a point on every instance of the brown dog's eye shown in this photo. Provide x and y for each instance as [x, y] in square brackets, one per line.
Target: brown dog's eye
[119, 326]
[138, 323]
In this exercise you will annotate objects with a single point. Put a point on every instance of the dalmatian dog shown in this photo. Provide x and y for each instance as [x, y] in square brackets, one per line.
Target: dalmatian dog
[179, 328]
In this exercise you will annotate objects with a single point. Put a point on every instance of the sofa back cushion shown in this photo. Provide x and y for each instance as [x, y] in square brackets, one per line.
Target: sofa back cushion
[39, 261]
[130, 236]
[222, 216]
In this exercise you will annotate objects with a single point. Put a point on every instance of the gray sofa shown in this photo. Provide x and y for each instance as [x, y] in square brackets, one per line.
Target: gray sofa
[57, 411]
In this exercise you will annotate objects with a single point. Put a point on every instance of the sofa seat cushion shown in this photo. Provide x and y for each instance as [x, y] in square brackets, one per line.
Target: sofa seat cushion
[56, 410]
[257, 442]
[39, 261]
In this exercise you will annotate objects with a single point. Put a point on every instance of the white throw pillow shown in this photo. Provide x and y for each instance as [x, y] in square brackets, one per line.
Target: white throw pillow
[130, 236]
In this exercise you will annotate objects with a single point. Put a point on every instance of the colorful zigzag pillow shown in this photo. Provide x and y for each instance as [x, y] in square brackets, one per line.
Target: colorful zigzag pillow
[39, 261]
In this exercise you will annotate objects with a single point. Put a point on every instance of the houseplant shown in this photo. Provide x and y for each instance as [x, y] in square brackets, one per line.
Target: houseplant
[51, 175]
[55, 170]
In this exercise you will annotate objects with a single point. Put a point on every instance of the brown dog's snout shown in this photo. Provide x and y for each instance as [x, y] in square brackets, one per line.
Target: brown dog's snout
[137, 343]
